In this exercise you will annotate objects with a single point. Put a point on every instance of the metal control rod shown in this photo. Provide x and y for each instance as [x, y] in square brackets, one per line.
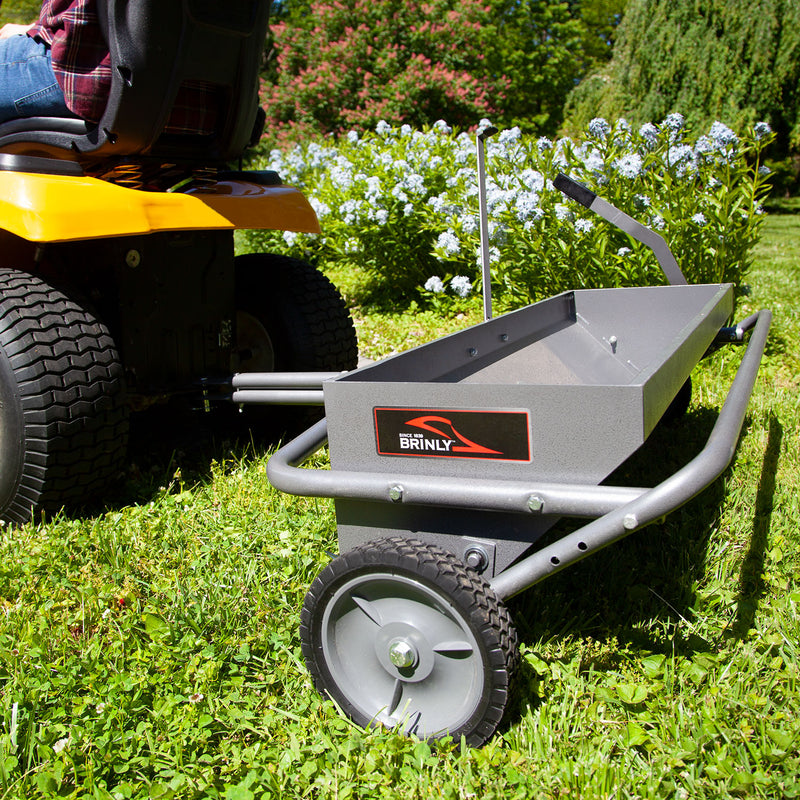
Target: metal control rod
[586, 197]
[280, 388]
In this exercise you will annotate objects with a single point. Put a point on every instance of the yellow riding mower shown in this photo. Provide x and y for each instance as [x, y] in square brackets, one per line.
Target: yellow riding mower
[119, 286]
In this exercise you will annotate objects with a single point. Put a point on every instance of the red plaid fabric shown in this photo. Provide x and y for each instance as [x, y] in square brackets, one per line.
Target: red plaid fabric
[82, 66]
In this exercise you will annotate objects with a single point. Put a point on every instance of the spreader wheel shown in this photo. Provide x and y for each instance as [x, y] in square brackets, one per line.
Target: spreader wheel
[401, 633]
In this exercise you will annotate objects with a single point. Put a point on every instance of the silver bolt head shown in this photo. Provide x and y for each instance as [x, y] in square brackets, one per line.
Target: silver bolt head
[402, 654]
[396, 493]
[476, 558]
[535, 503]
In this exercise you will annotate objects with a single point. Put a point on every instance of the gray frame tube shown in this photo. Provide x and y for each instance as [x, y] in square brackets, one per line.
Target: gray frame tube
[672, 493]
[280, 388]
[622, 510]
[574, 500]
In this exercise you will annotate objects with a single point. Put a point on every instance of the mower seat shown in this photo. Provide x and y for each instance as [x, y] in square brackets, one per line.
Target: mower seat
[156, 47]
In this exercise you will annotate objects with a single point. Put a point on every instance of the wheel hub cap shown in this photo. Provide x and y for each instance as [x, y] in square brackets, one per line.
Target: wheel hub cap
[402, 654]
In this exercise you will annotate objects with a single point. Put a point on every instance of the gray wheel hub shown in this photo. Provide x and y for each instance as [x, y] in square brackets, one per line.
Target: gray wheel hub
[402, 653]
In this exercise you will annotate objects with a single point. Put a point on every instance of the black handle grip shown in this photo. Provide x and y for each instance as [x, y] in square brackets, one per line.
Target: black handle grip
[577, 191]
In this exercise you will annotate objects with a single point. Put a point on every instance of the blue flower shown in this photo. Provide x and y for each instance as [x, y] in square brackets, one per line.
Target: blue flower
[509, 135]
[649, 133]
[674, 122]
[434, 284]
[562, 212]
[722, 136]
[699, 219]
[583, 225]
[461, 285]
[599, 128]
[527, 205]
[762, 129]
[594, 162]
[382, 128]
[629, 165]
[448, 242]
[681, 156]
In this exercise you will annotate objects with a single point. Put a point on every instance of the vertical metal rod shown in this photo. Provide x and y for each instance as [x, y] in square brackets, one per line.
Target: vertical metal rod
[484, 221]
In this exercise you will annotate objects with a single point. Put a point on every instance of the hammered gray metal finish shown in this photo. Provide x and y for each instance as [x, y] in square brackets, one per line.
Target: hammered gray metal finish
[590, 404]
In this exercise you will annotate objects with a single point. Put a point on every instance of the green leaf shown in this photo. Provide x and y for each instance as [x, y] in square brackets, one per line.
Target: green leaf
[631, 693]
[156, 627]
[635, 735]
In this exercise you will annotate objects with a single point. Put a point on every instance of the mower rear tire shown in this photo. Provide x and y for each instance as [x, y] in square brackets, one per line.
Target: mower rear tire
[290, 318]
[63, 415]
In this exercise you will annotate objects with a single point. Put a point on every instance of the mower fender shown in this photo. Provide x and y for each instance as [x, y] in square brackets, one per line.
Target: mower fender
[58, 208]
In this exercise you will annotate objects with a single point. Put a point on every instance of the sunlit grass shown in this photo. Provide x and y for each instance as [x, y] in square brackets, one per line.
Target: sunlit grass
[152, 650]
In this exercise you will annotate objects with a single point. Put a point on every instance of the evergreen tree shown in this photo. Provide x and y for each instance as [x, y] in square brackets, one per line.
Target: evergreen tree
[707, 59]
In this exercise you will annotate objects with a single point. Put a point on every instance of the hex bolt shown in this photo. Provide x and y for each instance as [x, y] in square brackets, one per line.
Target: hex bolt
[396, 493]
[535, 503]
[630, 522]
[473, 351]
[476, 558]
[402, 654]
[133, 258]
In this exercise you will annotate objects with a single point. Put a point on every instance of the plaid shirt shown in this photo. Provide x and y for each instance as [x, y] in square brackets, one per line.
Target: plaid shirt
[82, 66]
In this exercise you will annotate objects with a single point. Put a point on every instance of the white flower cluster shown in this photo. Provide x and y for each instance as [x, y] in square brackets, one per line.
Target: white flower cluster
[460, 284]
[422, 185]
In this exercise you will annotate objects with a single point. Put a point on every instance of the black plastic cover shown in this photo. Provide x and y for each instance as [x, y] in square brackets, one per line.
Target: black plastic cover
[577, 191]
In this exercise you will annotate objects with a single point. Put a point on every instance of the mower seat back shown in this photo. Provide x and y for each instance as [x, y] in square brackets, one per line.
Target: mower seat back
[156, 47]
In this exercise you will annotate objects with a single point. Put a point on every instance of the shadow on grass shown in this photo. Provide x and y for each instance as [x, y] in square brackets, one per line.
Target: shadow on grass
[635, 590]
[177, 445]
[751, 578]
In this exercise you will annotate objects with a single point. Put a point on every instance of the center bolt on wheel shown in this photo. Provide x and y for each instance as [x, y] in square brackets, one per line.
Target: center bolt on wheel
[403, 654]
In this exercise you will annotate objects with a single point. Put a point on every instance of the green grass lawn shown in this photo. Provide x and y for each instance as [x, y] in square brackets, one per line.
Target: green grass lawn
[152, 650]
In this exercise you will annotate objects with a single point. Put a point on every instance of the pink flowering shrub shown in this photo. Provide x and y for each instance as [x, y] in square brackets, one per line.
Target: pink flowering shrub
[364, 61]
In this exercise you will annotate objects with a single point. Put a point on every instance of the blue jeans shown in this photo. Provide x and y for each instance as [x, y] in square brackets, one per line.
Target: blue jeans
[28, 87]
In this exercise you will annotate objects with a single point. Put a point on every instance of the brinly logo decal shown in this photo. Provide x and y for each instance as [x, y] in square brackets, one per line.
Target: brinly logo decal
[446, 433]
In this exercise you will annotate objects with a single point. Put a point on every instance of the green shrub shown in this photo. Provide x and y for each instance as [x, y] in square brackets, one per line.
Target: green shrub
[402, 205]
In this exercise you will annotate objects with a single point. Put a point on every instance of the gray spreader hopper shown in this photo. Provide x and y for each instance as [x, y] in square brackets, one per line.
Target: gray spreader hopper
[449, 462]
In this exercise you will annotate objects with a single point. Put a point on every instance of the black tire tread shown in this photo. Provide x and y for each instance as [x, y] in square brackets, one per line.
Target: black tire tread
[71, 392]
[471, 593]
[328, 336]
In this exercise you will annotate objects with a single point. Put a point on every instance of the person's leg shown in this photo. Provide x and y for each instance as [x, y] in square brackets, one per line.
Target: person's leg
[28, 87]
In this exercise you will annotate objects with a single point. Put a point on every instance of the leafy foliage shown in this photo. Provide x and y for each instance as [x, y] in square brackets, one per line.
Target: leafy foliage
[351, 63]
[717, 60]
[402, 206]
[19, 11]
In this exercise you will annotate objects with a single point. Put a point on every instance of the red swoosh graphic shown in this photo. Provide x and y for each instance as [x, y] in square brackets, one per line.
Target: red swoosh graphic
[471, 447]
